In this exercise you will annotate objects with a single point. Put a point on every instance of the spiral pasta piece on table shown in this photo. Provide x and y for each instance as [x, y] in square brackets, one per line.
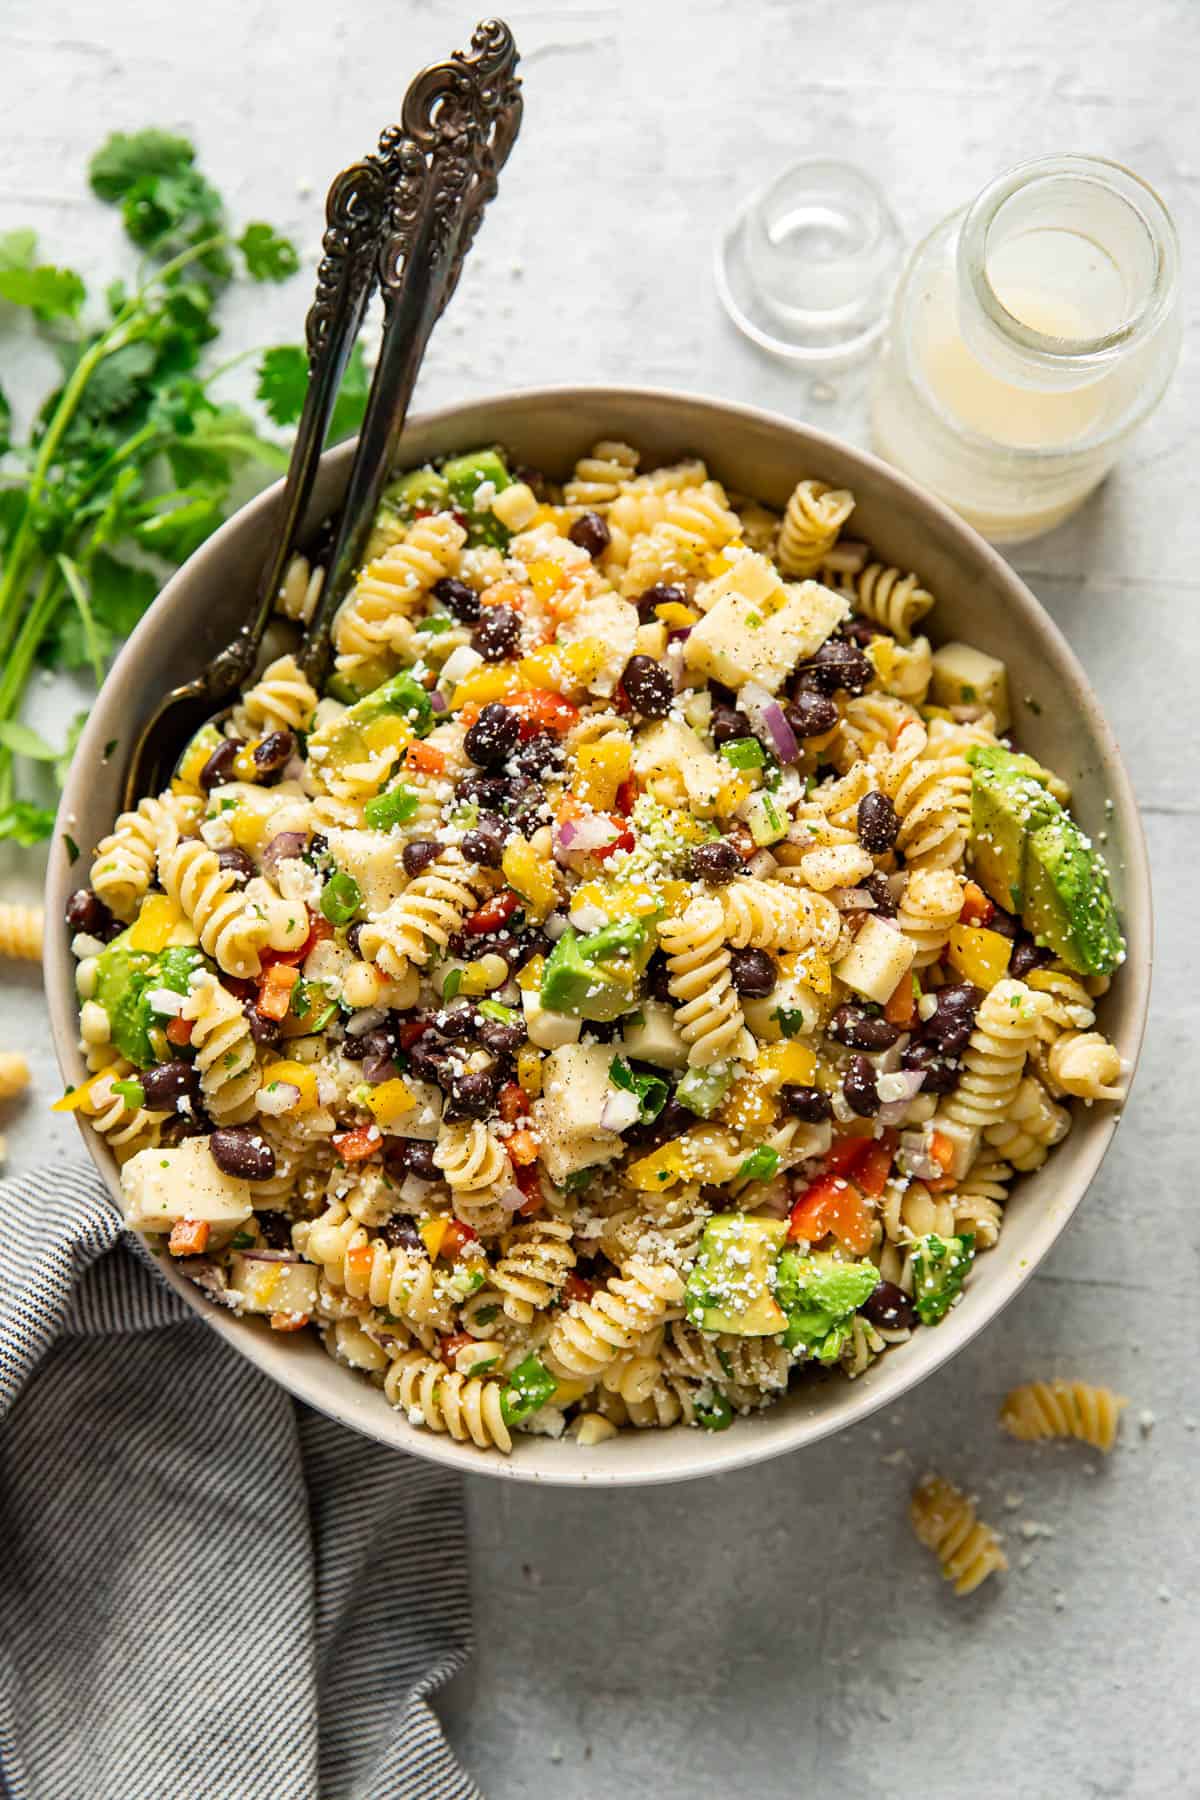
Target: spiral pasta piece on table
[945, 1521]
[21, 930]
[814, 515]
[426, 915]
[465, 1406]
[763, 915]
[593, 1333]
[124, 861]
[994, 1059]
[282, 699]
[231, 929]
[888, 598]
[225, 1054]
[1031, 1126]
[1085, 1064]
[14, 1074]
[599, 476]
[928, 909]
[709, 1013]
[375, 619]
[1063, 1409]
[537, 1259]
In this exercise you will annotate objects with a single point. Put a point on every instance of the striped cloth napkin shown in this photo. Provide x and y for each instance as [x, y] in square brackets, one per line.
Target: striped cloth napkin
[205, 1588]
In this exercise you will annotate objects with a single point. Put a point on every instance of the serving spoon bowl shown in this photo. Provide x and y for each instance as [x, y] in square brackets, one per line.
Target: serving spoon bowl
[980, 599]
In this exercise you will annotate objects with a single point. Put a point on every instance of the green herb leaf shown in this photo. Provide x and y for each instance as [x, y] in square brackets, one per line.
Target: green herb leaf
[341, 898]
[23, 740]
[125, 159]
[651, 1090]
[25, 823]
[269, 257]
[283, 382]
[51, 293]
[451, 984]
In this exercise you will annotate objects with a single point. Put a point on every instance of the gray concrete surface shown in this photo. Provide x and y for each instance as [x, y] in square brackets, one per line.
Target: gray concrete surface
[776, 1632]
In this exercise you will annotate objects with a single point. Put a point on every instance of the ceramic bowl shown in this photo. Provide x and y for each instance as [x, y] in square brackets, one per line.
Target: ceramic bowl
[980, 599]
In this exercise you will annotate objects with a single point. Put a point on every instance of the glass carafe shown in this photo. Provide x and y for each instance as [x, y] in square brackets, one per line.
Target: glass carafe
[1031, 334]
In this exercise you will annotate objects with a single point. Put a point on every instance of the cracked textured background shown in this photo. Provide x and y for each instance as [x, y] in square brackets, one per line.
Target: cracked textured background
[776, 1632]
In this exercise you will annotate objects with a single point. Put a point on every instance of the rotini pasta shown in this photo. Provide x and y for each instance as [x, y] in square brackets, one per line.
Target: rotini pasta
[426, 915]
[125, 860]
[812, 519]
[20, 932]
[890, 599]
[710, 1018]
[282, 699]
[945, 1521]
[1063, 1409]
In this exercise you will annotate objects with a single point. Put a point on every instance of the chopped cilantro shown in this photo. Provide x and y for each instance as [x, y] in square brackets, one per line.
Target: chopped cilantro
[651, 1091]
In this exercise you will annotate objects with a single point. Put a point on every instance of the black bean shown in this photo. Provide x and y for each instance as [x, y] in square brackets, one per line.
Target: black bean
[663, 593]
[180, 1126]
[1027, 956]
[86, 912]
[378, 1043]
[353, 933]
[953, 1020]
[837, 664]
[858, 631]
[493, 737]
[500, 1039]
[890, 1308]
[674, 1119]
[727, 724]
[414, 1156]
[483, 847]
[753, 972]
[591, 534]
[1006, 923]
[429, 1060]
[456, 1022]
[487, 791]
[861, 1030]
[717, 862]
[878, 824]
[858, 1086]
[808, 1103]
[166, 1084]
[275, 1229]
[941, 1075]
[458, 599]
[263, 1030]
[400, 1231]
[649, 687]
[538, 754]
[505, 944]
[236, 860]
[877, 886]
[497, 633]
[658, 977]
[811, 714]
[273, 752]
[473, 1096]
[219, 767]
[419, 854]
[239, 1150]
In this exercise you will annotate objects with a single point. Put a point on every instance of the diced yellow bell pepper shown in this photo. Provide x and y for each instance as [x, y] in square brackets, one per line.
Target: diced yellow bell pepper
[882, 652]
[491, 681]
[297, 1075]
[567, 1392]
[547, 668]
[936, 712]
[700, 1155]
[433, 1234]
[787, 1062]
[599, 771]
[187, 775]
[244, 766]
[657, 1171]
[159, 923]
[979, 955]
[733, 792]
[586, 658]
[388, 732]
[549, 515]
[545, 578]
[530, 875]
[748, 1106]
[529, 1069]
[531, 975]
[675, 897]
[720, 560]
[810, 967]
[80, 1098]
[675, 614]
[389, 1102]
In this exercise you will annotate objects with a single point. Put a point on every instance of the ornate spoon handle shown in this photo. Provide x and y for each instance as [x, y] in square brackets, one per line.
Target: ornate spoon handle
[459, 123]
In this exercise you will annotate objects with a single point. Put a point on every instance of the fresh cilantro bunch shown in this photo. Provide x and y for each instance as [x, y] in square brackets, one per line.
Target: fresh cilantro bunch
[130, 462]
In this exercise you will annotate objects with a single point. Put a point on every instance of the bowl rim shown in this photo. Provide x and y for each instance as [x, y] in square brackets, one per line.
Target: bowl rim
[742, 1448]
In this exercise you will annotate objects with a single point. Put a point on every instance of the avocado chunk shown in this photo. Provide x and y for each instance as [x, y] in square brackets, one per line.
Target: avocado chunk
[419, 490]
[939, 1268]
[820, 1295]
[464, 476]
[126, 978]
[375, 722]
[597, 977]
[731, 1284]
[1069, 906]
[1033, 859]
[702, 1090]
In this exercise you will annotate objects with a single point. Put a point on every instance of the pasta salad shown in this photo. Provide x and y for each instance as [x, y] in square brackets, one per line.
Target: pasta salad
[628, 990]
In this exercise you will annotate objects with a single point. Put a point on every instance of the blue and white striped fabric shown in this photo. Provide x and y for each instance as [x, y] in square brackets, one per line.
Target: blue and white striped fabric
[206, 1590]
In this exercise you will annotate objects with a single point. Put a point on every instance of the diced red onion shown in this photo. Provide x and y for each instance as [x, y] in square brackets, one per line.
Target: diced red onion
[886, 919]
[438, 702]
[787, 749]
[277, 1097]
[511, 1199]
[892, 1112]
[283, 845]
[620, 1111]
[576, 837]
[272, 1256]
[379, 1068]
[366, 1020]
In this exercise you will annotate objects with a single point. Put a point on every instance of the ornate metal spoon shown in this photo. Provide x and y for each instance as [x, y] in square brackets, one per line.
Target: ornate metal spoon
[406, 217]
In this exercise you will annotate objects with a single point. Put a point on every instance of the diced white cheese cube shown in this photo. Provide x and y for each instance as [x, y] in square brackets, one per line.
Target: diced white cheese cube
[575, 1089]
[267, 1284]
[757, 628]
[876, 960]
[161, 1187]
[964, 676]
[672, 749]
[548, 1029]
[655, 1039]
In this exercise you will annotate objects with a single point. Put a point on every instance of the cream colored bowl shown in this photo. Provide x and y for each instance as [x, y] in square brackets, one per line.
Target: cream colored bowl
[979, 599]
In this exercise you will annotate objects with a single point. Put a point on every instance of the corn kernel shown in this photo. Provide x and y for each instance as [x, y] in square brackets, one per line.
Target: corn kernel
[484, 974]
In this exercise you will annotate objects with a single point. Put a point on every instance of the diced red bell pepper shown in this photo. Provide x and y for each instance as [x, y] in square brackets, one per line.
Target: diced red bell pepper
[179, 1032]
[189, 1237]
[832, 1204]
[541, 710]
[357, 1144]
[289, 1321]
[977, 909]
[578, 1287]
[523, 1148]
[844, 1154]
[493, 914]
[624, 840]
[275, 990]
[513, 1103]
[902, 1002]
[872, 1170]
[319, 929]
[627, 794]
[457, 1237]
[451, 1344]
[410, 1031]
